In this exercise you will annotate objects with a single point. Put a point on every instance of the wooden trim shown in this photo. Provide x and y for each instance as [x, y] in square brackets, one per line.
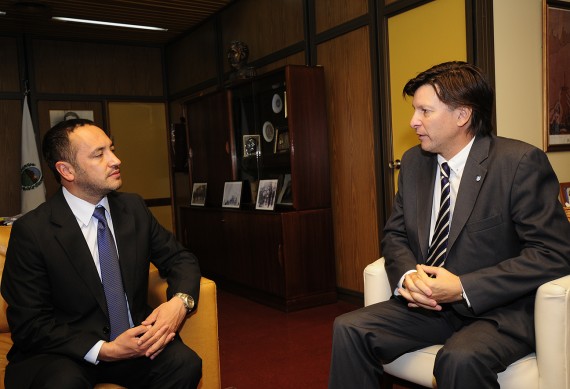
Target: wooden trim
[480, 40]
[401, 7]
[160, 202]
[343, 28]
[350, 296]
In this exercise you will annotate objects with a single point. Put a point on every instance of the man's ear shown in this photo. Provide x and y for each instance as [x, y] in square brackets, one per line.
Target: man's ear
[65, 170]
[464, 116]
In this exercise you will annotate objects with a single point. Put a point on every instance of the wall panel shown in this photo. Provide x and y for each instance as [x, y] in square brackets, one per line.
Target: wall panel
[192, 60]
[331, 13]
[81, 68]
[10, 75]
[265, 26]
[10, 155]
[346, 60]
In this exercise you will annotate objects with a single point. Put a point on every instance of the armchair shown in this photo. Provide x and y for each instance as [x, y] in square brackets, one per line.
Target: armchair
[199, 331]
[548, 368]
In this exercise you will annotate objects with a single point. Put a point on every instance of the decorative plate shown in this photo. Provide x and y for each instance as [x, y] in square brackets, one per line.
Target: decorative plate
[268, 131]
[277, 103]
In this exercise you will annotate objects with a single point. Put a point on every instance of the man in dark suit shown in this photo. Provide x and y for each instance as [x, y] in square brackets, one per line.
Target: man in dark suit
[60, 318]
[507, 235]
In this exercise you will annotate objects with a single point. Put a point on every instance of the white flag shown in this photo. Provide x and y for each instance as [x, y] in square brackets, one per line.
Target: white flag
[33, 190]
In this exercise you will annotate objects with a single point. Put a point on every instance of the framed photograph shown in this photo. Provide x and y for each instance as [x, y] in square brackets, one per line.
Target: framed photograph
[266, 193]
[565, 193]
[282, 142]
[199, 194]
[251, 146]
[285, 194]
[556, 62]
[232, 194]
[60, 115]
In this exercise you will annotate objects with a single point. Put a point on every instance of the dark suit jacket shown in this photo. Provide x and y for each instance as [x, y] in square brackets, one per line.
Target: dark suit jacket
[508, 235]
[56, 302]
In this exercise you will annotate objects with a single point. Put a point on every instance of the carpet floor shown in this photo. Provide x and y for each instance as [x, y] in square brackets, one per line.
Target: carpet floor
[264, 348]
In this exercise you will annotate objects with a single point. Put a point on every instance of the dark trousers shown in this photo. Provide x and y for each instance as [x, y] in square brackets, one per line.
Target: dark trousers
[474, 351]
[176, 367]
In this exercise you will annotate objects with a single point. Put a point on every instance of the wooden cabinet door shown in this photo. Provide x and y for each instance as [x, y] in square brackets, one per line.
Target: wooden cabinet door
[203, 234]
[210, 145]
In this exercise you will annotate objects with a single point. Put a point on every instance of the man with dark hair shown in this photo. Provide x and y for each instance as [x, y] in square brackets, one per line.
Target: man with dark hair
[76, 279]
[475, 229]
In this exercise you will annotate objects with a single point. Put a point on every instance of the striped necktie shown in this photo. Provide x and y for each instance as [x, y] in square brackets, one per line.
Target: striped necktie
[111, 276]
[438, 248]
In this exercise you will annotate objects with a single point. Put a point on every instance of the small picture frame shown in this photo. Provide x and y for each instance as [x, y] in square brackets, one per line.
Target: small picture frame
[565, 193]
[285, 194]
[282, 142]
[266, 194]
[251, 146]
[199, 194]
[232, 194]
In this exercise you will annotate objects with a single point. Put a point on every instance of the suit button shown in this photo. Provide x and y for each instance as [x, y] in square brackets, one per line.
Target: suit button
[106, 330]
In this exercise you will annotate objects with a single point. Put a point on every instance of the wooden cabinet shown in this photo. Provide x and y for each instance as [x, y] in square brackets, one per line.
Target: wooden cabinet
[282, 257]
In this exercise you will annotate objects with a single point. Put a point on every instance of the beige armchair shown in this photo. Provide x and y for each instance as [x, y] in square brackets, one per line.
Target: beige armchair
[548, 368]
[199, 332]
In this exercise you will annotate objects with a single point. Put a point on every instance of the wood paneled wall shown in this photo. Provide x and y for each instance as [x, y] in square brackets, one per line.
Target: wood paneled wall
[266, 26]
[65, 75]
[10, 155]
[332, 13]
[346, 60]
[192, 59]
[80, 68]
[10, 79]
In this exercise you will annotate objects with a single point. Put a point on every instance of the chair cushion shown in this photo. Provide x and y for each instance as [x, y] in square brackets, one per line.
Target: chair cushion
[417, 367]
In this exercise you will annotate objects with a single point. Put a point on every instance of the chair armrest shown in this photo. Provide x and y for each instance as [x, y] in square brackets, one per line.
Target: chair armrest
[552, 322]
[376, 284]
[200, 330]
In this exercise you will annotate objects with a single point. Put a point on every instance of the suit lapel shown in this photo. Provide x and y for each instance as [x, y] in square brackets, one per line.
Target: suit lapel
[424, 199]
[471, 182]
[71, 239]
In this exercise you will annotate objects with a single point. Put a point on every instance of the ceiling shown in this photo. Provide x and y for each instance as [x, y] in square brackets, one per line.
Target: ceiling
[33, 17]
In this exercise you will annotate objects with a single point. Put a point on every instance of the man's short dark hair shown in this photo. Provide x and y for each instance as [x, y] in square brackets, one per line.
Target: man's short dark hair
[459, 84]
[56, 145]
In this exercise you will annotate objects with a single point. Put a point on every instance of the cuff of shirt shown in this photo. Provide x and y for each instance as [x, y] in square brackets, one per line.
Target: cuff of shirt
[396, 293]
[92, 354]
[464, 295]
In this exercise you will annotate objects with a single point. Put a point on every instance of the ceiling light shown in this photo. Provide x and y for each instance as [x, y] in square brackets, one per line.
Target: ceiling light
[2, 13]
[86, 21]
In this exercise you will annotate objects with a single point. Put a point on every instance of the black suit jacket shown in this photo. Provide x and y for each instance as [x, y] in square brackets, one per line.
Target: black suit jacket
[508, 235]
[55, 297]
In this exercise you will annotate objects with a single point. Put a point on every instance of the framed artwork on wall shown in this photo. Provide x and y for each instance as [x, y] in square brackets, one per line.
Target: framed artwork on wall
[59, 115]
[556, 74]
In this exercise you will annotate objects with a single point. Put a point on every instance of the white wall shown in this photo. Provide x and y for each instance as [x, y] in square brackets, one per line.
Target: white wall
[518, 76]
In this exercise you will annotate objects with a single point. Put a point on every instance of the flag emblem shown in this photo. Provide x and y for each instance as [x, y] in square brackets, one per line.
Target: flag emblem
[31, 176]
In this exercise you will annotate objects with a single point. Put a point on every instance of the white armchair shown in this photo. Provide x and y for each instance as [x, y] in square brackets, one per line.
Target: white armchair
[548, 368]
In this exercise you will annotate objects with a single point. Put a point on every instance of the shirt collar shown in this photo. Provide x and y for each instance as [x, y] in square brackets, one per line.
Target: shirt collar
[457, 163]
[83, 210]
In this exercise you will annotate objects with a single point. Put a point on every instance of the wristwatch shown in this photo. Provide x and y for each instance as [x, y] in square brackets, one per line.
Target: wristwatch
[187, 300]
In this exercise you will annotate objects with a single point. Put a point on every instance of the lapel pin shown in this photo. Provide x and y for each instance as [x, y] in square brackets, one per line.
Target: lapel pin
[478, 178]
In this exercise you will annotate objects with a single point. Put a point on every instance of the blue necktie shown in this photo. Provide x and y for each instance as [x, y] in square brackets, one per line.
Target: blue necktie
[111, 276]
[438, 248]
